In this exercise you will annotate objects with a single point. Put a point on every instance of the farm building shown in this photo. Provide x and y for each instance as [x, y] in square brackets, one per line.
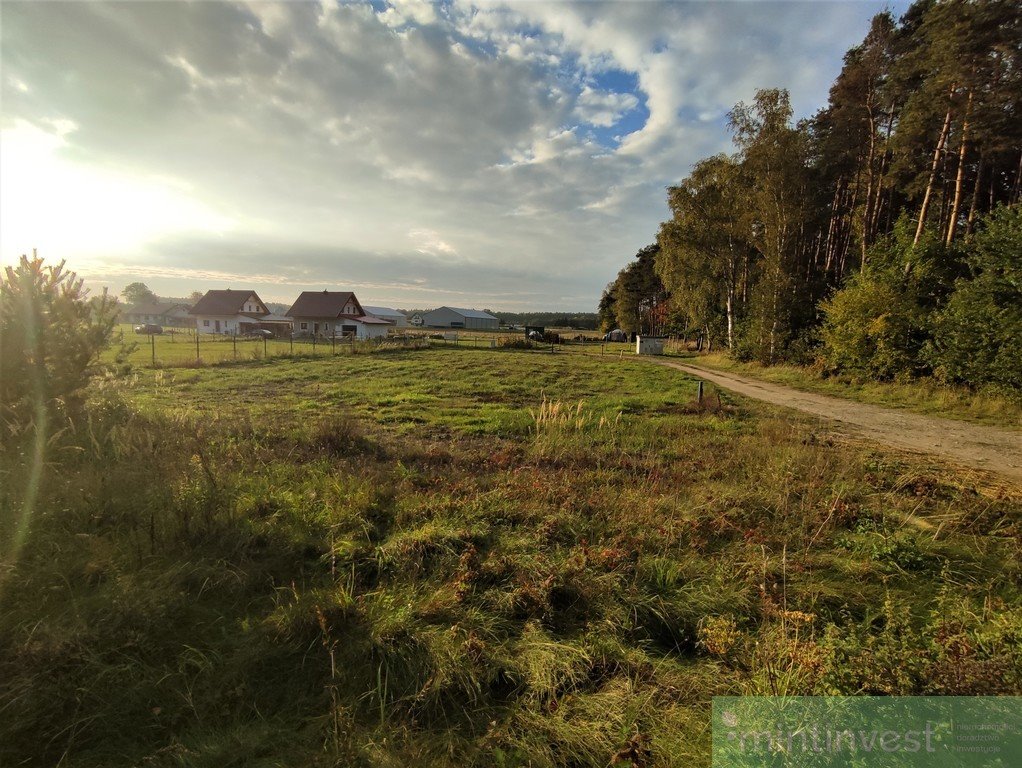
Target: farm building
[231, 313]
[454, 317]
[335, 314]
[397, 317]
[156, 313]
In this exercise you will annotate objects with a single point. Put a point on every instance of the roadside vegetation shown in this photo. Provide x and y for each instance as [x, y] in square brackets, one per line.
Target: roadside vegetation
[925, 395]
[459, 556]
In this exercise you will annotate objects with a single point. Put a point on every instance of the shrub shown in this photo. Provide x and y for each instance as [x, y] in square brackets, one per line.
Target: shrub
[51, 337]
[875, 324]
[516, 342]
[977, 335]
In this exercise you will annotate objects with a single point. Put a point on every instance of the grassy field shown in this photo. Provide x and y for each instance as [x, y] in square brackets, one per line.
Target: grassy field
[177, 347]
[178, 350]
[458, 556]
[925, 396]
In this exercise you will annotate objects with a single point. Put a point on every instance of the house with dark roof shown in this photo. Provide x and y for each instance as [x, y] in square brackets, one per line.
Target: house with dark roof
[335, 314]
[235, 313]
[455, 317]
[156, 313]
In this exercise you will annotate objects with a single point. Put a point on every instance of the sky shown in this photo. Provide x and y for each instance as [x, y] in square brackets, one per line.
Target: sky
[512, 156]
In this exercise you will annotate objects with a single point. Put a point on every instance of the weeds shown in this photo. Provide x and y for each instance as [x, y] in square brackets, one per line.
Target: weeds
[555, 416]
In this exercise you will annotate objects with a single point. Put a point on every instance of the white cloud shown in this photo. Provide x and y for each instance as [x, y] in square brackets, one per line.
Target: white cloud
[401, 12]
[429, 243]
[603, 108]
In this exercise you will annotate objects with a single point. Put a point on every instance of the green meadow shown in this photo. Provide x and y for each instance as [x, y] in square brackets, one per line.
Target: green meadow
[473, 557]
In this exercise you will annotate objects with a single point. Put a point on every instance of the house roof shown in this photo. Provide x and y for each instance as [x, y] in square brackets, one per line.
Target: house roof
[225, 302]
[470, 313]
[323, 304]
[371, 320]
[151, 308]
[383, 311]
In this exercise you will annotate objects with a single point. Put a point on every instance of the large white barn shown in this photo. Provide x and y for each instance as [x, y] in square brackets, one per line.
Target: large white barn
[455, 317]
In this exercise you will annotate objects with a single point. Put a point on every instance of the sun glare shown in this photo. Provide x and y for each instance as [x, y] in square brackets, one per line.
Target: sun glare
[67, 210]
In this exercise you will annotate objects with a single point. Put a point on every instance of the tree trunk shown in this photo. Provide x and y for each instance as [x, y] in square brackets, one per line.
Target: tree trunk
[831, 247]
[963, 148]
[1017, 186]
[730, 318]
[871, 180]
[933, 175]
[846, 245]
[885, 159]
[971, 218]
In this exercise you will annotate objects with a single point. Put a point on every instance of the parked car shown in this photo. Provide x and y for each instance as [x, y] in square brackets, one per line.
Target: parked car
[149, 329]
[260, 333]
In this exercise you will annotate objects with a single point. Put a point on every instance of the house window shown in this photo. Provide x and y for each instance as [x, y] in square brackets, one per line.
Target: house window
[305, 326]
[205, 323]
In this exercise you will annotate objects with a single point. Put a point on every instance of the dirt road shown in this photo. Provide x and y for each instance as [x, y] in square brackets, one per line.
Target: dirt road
[989, 448]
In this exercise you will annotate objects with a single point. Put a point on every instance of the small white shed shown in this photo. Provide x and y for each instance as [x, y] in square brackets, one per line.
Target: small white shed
[649, 345]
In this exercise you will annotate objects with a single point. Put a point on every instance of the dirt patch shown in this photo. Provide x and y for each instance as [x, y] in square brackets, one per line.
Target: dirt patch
[995, 450]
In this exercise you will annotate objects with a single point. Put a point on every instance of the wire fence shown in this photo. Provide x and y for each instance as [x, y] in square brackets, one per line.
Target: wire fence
[184, 348]
[177, 348]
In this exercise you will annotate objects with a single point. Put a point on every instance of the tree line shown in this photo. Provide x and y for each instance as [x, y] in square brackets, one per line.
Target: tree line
[552, 319]
[880, 236]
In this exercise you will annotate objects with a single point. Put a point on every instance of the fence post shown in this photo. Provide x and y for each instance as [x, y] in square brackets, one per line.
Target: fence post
[291, 344]
[313, 343]
[234, 342]
[264, 347]
[152, 343]
[700, 393]
[196, 346]
[333, 344]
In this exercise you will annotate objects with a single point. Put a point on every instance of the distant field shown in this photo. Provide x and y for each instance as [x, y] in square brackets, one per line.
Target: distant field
[462, 557]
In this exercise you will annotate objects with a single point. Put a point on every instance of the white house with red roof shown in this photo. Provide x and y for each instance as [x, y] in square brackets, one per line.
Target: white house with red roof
[335, 314]
[235, 312]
